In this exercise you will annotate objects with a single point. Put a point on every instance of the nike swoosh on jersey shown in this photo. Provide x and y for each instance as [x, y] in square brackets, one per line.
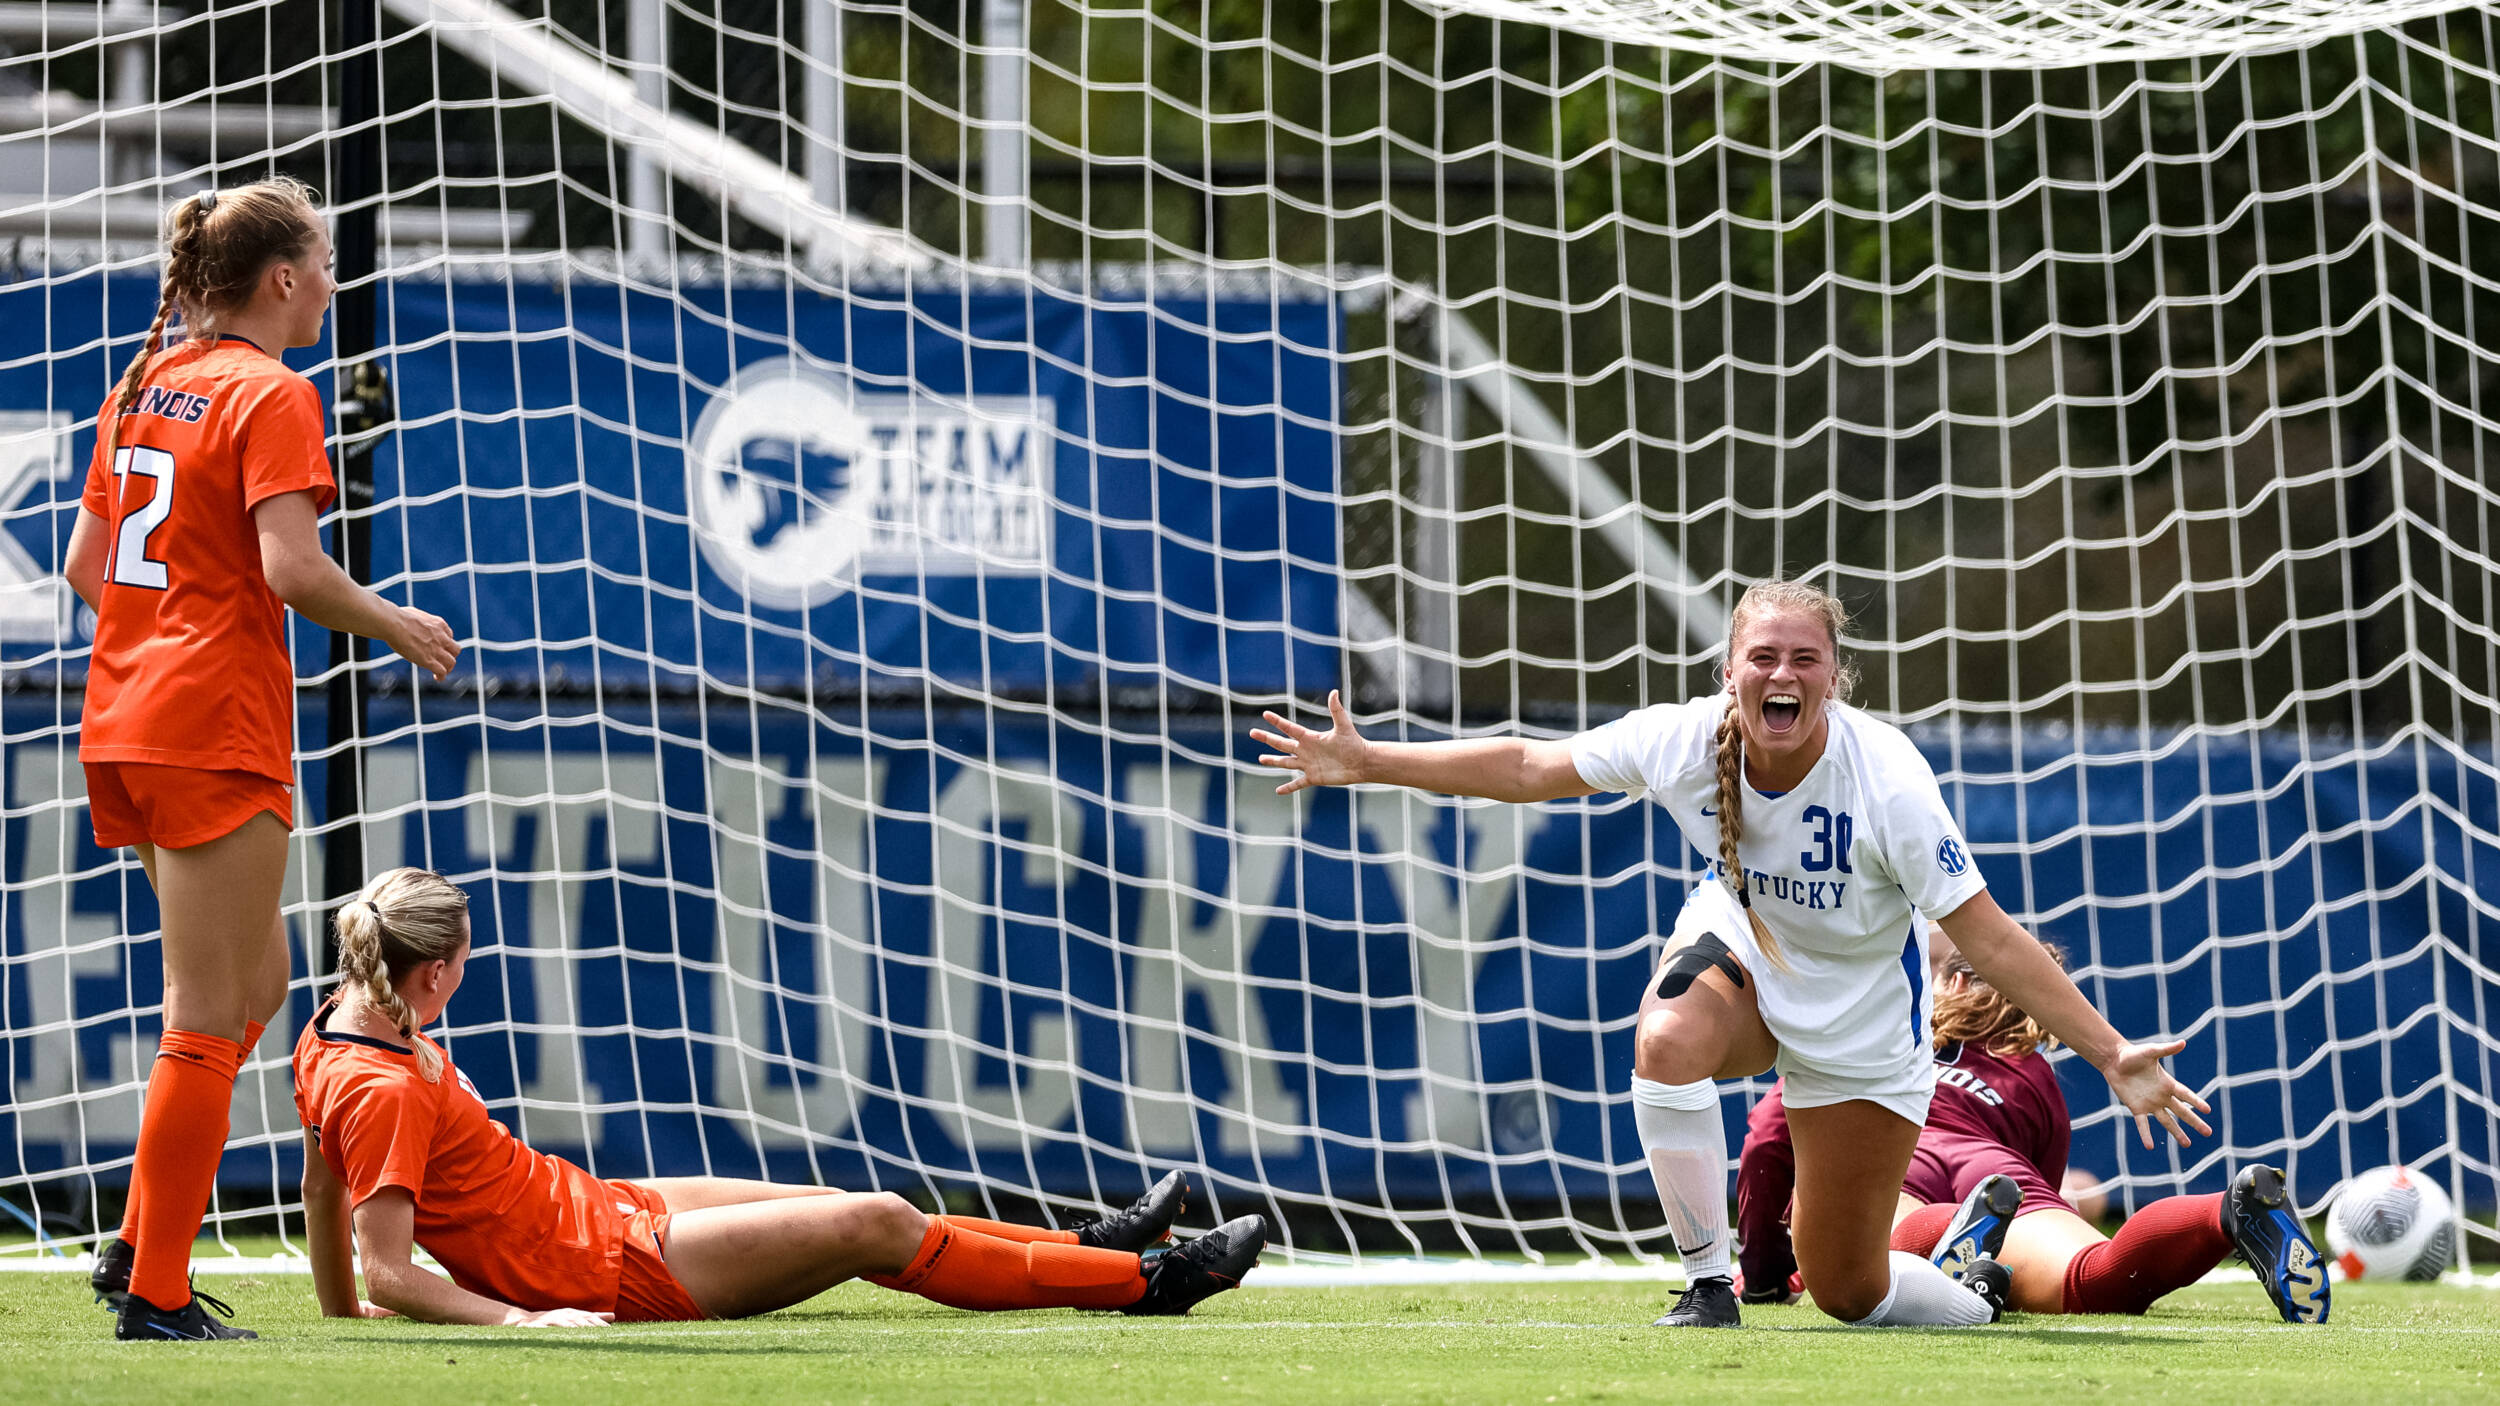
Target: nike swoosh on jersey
[1706, 810]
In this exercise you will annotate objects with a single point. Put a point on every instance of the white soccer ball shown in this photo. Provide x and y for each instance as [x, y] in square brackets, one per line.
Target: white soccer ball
[2392, 1224]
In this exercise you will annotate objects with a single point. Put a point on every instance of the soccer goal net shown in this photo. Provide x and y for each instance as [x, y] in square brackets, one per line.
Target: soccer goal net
[885, 457]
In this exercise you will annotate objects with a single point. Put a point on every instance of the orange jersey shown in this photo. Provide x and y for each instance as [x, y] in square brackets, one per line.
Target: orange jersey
[512, 1224]
[190, 667]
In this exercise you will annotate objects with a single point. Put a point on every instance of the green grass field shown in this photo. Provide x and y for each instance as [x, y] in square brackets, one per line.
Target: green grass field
[1559, 1343]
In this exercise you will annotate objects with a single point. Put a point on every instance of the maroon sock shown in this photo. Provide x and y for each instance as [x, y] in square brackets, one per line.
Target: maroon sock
[2168, 1245]
[1918, 1232]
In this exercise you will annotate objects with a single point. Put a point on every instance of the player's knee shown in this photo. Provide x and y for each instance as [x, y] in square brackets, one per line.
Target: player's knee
[1664, 1048]
[1848, 1298]
[890, 1223]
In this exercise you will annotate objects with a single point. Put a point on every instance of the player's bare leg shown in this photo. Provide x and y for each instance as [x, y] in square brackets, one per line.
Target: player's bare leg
[746, 1259]
[1699, 1021]
[2038, 1249]
[683, 1194]
[220, 904]
[1851, 1157]
[753, 1257]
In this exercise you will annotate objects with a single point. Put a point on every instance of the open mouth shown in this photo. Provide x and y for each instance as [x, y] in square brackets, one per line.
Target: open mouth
[1780, 711]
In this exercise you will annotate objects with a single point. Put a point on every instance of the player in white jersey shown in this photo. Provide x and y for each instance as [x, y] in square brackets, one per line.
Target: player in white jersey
[1801, 949]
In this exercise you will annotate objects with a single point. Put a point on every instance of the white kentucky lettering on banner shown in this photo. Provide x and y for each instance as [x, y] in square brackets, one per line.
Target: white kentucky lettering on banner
[797, 484]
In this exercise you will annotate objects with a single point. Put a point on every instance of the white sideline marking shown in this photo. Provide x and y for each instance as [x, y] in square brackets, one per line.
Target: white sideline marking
[1378, 1272]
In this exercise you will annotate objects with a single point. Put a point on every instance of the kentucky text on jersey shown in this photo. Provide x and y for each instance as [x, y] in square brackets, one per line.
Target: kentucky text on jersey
[172, 405]
[1805, 893]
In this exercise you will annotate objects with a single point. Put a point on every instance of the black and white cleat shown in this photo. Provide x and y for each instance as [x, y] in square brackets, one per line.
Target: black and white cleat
[1992, 1282]
[1705, 1303]
[1186, 1275]
[111, 1276]
[1144, 1222]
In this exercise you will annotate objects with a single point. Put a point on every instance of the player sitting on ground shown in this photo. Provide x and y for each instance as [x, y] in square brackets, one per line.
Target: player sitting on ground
[399, 1152]
[1981, 1183]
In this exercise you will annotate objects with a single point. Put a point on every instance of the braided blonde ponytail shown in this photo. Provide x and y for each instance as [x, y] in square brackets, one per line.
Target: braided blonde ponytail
[1731, 776]
[403, 919]
[1762, 599]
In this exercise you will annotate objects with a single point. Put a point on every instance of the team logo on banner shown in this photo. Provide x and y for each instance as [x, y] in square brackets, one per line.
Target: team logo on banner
[798, 484]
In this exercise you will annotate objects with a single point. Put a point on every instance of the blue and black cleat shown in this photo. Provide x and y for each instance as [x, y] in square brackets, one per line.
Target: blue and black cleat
[2257, 1215]
[1977, 1230]
[140, 1321]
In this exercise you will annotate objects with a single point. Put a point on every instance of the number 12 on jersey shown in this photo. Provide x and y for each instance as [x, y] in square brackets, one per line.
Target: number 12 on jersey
[131, 562]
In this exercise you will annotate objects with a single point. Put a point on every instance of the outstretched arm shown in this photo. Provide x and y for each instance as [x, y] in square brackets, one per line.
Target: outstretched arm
[333, 1240]
[1498, 768]
[2014, 962]
[386, 1224]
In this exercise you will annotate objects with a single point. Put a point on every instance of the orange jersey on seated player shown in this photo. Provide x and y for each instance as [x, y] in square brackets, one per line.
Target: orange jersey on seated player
[506, 1221]
[190, 666]
[401, 1153]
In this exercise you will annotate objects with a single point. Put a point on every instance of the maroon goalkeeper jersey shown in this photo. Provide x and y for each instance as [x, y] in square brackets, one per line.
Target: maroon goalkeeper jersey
[1986, 1108]
[2013, 1102]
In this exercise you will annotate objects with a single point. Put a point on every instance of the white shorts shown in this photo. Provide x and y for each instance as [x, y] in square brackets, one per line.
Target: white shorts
[1849, 1026]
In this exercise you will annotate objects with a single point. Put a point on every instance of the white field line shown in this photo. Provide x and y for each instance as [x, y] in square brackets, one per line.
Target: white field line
[1310, 1274]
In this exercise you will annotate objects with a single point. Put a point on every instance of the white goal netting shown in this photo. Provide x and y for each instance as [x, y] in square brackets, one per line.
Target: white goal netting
[884, 473]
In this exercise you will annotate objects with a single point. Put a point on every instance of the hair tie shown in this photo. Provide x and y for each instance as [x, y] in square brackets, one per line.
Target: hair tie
[208, 202]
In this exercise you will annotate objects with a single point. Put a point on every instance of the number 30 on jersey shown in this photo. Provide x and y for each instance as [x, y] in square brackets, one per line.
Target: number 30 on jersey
[1833, 834]
[134, 561]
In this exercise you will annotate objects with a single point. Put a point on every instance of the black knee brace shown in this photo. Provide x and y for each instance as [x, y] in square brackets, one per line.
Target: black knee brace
[1686, 967]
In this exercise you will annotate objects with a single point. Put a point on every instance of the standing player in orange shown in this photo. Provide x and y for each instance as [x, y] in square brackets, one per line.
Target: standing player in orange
[199, 525]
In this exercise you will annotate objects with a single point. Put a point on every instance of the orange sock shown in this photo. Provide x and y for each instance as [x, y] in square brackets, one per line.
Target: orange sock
[181, 1135]
[963, 1268]
[1021, 1234]
[252, 1031]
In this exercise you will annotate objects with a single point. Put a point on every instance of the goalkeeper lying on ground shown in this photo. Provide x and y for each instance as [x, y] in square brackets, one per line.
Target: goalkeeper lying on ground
[397, 1141]
[1983, 1180]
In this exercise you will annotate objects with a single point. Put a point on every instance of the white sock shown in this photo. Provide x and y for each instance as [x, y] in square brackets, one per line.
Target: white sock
[1925, 1296]
[1687, 1145]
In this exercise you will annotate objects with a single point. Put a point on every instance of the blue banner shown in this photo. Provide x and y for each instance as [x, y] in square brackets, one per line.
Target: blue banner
[891, 946]
[762, 484]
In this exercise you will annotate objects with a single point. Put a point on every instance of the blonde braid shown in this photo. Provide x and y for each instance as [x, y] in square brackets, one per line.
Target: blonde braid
[429, 913]
[1731, 776]
[181, 257]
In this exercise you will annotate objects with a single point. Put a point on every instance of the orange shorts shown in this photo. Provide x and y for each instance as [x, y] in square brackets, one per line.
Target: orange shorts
[177, 807]
[645, 1291]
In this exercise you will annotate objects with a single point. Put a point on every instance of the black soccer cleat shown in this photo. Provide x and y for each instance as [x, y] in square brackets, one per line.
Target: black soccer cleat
[1144, 1223]
[1186, 1275]
[1705, 1303]
[1977, 1230]
[111, 1276]
[1992, 1282]
[2257, 1215]
[141, 1321]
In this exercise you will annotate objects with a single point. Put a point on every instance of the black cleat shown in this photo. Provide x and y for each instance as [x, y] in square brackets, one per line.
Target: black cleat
[111, 1276]
[1992, 1282]
[1183, 1276]
[2257, 1215]
[141, 1321]
[1705, 1303]
[1145, 1223]
[1977, 1230]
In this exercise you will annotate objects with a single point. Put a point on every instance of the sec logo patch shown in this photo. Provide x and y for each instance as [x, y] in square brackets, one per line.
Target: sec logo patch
[1949, 856]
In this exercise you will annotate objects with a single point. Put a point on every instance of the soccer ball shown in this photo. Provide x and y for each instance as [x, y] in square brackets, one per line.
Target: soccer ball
[2391, 1224]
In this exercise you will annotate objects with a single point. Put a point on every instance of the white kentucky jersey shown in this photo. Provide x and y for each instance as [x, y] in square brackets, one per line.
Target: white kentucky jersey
[1839, 868]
